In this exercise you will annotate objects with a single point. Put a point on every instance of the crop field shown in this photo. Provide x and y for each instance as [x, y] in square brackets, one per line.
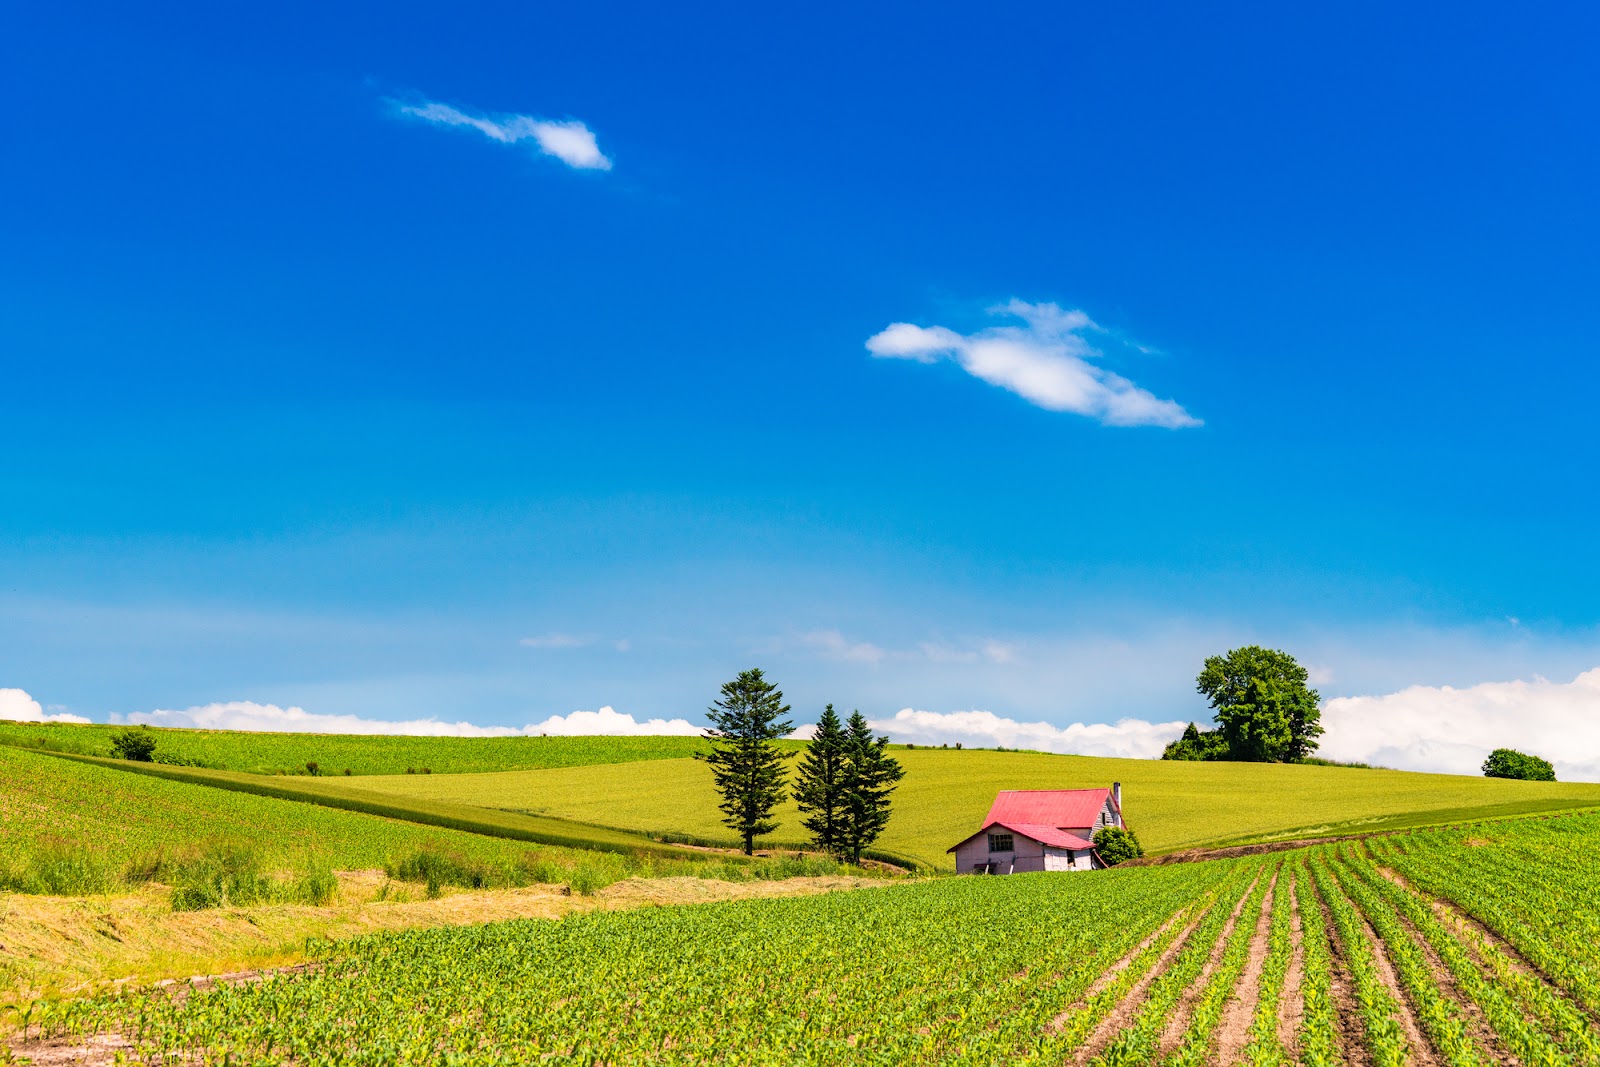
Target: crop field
[945, 794]
[335, 754]
[1476, 945]
[71, 827]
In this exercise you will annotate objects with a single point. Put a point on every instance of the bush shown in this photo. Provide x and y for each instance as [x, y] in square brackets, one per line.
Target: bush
[56, 868]
[223, 876]
[1198, 745]
[1116, 845]
[312, 768]
[1509, 763]
[138, 745]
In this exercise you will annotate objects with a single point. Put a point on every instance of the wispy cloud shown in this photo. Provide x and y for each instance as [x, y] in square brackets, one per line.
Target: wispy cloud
[1443, 728]
[17, 706]
[557, 640]
[248, 715]
[1046, 361]
[833, 645]
[568, 140]
[1127, 738]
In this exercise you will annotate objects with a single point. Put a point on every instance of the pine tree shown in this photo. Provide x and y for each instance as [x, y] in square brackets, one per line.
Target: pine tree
[870, 776]
[745, 764]
[819, 788]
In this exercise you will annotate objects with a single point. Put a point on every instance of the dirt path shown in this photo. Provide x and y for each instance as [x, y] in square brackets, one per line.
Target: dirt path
[1106, 978]
[1423, 1053]
[55, 946]
[1352, 1035]
[1118, 1018]
[1178, 1024]
[1233, 1033]
[1292, 1005]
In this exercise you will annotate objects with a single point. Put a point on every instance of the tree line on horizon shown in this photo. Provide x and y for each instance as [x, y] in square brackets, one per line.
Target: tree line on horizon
[844, 777]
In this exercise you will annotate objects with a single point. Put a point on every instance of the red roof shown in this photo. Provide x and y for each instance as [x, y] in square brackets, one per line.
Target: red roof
[1053, 836]
[1046, 807]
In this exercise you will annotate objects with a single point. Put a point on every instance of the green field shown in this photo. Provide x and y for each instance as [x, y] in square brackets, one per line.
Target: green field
[943, 798]
[70, 826]
[1322, 956]
[281, 753]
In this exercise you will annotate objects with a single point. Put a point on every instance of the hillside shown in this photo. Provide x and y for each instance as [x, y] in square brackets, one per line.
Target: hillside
[946, 793]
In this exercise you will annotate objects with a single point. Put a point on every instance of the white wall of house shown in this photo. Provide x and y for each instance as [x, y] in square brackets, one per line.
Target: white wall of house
[1026, 855]
[1065, 859]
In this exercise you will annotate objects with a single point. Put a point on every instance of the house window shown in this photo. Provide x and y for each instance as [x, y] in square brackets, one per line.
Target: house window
[1000, 843]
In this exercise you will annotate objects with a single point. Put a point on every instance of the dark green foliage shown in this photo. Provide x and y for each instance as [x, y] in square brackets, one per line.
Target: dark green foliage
[1266, 710]
[1509, 763]
[1116, 845]
[819, 788]
[746, 764]
[1197, 745]
[870, 776]
[135, 744]
[312, 768]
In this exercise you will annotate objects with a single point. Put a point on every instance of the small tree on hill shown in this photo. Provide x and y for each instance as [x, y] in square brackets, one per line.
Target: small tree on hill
[819, 788]
[1116, 845]
[1509, 763]
[870, 776]
[1266, 711]
[138, 745]
[1198, 745]
[746, 765]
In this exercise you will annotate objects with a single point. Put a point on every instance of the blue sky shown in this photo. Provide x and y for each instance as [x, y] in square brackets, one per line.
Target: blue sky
[487, 363]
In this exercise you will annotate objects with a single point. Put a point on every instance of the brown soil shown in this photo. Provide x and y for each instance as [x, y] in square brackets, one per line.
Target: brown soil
[1119, 1018]
[1422, 1050]
[98, 1051]
[1352, 1037]
[1291, 1005]
[57, 946]
[1108, 977]
[1479, 935]
[1233, 1033]
[1179, 1021]
[1195, 855]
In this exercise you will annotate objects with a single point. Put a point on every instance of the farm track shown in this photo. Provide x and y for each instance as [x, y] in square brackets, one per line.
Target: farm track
[1234, 1032]
[1291, 1008]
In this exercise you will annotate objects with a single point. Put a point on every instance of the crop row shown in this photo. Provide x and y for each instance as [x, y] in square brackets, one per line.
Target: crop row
[972, 971]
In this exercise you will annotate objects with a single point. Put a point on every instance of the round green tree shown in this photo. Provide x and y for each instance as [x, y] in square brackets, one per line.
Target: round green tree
[1266, 711]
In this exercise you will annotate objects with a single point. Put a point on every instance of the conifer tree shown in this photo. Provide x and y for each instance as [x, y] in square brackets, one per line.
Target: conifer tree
[819, 788]
[745, 764]
[870, 776]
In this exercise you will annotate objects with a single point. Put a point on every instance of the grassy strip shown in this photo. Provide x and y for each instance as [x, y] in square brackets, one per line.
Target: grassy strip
[1386, 1039]
[1196, 1044]
[1264, 1049]
[1503, 1012]
[1448, 1031]
[1141, 1042]
[538, 829]
[1505, 811]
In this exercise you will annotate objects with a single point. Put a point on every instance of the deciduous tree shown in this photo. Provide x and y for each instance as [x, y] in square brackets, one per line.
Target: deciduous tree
[1266, 710]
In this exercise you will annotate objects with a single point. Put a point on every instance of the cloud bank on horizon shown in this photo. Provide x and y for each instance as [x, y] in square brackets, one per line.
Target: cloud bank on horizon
[1046, 361]
[570, 140]
[1440, 729]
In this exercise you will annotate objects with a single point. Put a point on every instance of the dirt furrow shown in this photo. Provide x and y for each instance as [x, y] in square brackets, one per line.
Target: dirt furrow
[1423, 1053]
[1477, 1024]
[1233, 1034]
[1341, 988]
[1178, 1024]
[1458, 920]
[1109, 976]
[1118, 1018]
[1291, 1005]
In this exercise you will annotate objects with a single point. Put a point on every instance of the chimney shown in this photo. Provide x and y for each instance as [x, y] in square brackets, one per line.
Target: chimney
[1116, 797]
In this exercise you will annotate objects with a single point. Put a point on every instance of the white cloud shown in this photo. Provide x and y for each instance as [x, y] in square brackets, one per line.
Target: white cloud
[17, 706]
[570, 141]
[1127, 738]
[1046, 361]
[557, 640]
[1428, 728]
[248, 715]
[833, 645]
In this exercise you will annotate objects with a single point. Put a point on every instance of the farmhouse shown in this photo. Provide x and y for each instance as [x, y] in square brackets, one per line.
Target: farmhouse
[1041, 830]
